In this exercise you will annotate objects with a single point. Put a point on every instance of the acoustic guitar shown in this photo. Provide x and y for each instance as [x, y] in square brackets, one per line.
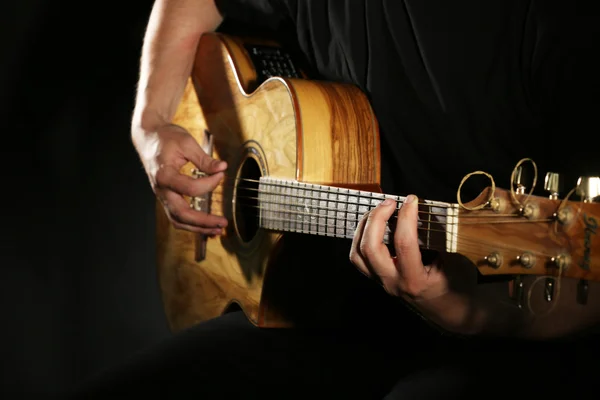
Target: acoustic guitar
[303, 159]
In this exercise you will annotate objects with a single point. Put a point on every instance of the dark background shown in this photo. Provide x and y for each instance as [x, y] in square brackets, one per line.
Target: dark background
[78, 288]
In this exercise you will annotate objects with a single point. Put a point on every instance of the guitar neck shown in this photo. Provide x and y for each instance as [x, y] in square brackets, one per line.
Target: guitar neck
[290, 206]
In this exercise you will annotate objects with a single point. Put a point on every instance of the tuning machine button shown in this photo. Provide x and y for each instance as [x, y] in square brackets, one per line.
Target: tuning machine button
[519, 180]
[588, 187]
[561, 261]
[527, 260]
[494, 260]
[553, 185]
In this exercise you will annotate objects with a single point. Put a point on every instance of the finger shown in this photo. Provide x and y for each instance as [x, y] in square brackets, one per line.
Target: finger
[372, 247]
[180, 212]
[355, 256]
[195, 229]
[406, 242]
[205, 163]
[168, 177]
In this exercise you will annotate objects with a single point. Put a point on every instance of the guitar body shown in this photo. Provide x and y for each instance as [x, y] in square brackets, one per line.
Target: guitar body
[289, 128]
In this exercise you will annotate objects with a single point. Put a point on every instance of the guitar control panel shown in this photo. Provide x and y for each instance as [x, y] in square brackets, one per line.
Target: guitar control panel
[270, 61]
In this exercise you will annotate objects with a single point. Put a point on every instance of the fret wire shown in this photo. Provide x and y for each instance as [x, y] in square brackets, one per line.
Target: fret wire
[428, 227]
[354, 220]
[326, 208]
[366, 195]
[397, 199]
[326, 190]
[336, 221]
[268, 181]
[386, 237]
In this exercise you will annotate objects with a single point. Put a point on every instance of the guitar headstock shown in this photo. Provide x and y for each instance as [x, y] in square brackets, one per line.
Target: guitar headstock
[518, 234]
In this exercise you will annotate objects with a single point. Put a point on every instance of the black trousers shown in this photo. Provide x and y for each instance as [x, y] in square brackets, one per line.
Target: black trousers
[228, 358]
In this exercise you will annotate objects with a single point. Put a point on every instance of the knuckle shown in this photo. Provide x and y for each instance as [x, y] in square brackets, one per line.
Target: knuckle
[176, 213]
[372, 214]
[177, 225]
[411, 288]
[352, 256]
[403, 244]
[188, 139]
[366, 249]
[199, 187]
[160, 176]
[187, 187]
[390, 288]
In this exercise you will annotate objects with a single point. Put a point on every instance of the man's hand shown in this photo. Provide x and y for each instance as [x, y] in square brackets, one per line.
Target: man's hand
[440, 291]
[405, 274]
[163, 153]
[168, 54]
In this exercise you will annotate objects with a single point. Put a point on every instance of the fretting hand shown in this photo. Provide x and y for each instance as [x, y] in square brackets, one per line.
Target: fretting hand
[163, 154]
[441, 291]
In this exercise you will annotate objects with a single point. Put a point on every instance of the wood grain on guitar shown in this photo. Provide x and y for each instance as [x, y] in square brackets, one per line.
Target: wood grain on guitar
[303, 158]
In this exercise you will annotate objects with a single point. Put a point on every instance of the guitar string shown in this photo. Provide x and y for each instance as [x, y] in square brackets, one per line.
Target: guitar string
[459, 235]
[368, 196]
[290, 184]
[463, 240]
[513, 195]
[352, 203]
[372, 196]
[325, 208]
[465, 245]
[515, 200]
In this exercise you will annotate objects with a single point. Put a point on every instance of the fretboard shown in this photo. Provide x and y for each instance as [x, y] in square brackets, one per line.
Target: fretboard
[290, 206]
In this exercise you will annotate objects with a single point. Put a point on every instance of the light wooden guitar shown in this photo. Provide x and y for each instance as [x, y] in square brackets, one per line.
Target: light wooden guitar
[304, 158]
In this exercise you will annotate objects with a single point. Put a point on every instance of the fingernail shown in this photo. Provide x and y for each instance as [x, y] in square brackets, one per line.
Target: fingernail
[410, 198]
[387, 202]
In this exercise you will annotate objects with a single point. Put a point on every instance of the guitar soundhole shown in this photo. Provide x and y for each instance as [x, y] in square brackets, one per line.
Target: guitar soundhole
[246, 209]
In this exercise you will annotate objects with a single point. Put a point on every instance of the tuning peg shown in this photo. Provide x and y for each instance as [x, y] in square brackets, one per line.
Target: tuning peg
[519, 180]
[588, 187]
[553, 184]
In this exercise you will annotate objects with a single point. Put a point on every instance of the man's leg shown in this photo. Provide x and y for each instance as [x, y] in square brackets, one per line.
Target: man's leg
[504, 370]
[230, 358]
[376, 341]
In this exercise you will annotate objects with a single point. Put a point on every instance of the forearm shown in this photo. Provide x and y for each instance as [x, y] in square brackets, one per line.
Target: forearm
[168, 54]
[489, 311]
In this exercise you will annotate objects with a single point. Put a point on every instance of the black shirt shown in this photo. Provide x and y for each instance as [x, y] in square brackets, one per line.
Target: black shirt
[456, 86]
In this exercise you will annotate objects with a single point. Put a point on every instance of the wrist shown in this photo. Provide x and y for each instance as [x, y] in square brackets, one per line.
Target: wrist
[146, 123]
[453, 312]
[473, 314]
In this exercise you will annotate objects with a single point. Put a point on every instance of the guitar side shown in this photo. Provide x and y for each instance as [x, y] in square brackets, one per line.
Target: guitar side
[299, 129]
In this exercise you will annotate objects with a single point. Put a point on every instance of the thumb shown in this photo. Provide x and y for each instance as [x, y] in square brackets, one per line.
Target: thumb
[203, 161]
